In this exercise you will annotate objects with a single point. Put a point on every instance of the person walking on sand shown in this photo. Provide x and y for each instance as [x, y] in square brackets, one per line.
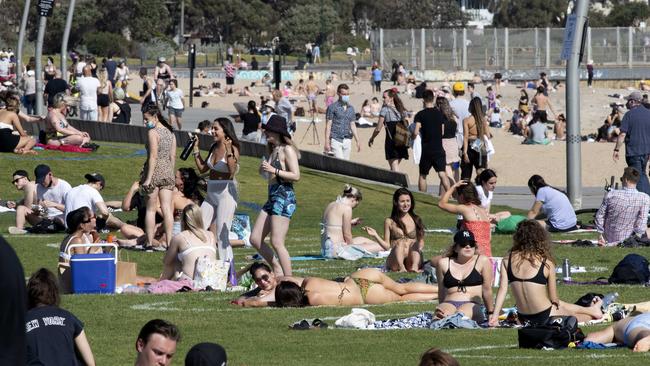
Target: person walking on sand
[635, 132]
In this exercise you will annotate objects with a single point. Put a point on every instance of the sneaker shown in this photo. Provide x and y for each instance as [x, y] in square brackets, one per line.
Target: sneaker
[16, 231]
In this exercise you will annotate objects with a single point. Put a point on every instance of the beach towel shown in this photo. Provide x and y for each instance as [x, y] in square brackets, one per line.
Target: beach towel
[353, 253]
[65, 148]
[170, 287]
[426, 320]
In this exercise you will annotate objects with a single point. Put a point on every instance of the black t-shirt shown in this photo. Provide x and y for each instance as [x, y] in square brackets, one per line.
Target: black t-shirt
[431, 120]
[254, 65]
[54, 87]
[50, 336]
[251, 121]
[12, 307]
[450, 128]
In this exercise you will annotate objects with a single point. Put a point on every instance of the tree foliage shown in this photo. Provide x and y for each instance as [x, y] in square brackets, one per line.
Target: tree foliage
[303, 24]
[416, 14]
[529, 13]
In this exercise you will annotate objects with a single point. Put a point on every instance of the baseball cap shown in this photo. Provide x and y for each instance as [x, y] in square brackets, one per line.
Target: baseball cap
[635, 95]
[464, 237]
[206, 354]
[40, 172]
[459, 87]
[95, 177]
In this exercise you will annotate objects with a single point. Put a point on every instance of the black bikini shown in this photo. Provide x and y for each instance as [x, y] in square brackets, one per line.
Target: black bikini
[473, 279]
[539, 277]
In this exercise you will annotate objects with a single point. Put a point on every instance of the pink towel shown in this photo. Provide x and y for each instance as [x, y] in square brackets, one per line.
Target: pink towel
[169, 287]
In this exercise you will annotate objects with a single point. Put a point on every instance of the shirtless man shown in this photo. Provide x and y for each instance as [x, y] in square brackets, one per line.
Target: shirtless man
[312, 92]
[330, 93]
[633, 332]
[21, 181]
[541, 102]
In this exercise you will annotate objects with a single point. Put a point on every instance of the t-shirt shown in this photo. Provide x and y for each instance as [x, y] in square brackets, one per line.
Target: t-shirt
[557, 207]
[376, 75]
[175, 98]
[431, 125]
[251, 121]
[485, 200]
[50, 336]
[54, 87]
[55, 193]
[284, 108]
[82, 196]
[4, 67]
[80, 67]
[13, 303]
[460, 106]
[538, 132]
[88, 92]
[636, 125]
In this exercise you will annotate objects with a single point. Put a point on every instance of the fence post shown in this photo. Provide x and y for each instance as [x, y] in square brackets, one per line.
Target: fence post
[454, 51]
[506, 60]
[548, 48]
[619, 57]
[174, 58]
[422, 49]
[464, 48]
[589, 51]
[381, 47]
[414, 59]
[433, 48]
[536, 47]
[206, 59]
[630, 46]
[496, 49]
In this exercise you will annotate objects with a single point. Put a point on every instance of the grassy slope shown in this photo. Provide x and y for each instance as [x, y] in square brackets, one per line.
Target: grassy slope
[260, 336]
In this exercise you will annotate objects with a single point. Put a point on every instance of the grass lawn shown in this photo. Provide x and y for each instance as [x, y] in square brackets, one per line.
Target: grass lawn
[261, 336]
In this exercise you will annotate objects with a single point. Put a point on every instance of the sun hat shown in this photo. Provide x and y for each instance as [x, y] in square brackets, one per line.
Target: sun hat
[277, 124]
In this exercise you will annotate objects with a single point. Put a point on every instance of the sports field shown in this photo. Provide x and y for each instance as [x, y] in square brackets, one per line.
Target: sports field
[261, 336]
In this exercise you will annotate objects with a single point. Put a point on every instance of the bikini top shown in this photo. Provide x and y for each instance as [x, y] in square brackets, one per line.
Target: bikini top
[473, 279]
[539, 277]
[398, 234]
[221, 166]
[181, 255]
[64, 253]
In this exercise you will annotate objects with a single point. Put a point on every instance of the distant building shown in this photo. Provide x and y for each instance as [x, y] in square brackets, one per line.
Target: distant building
[478, 12]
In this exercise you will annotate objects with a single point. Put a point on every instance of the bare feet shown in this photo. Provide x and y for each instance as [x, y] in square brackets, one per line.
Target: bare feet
[642, 345]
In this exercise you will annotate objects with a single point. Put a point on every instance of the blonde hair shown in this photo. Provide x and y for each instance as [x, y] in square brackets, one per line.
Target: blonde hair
[103, 78]
[192, 220]
[58, 100]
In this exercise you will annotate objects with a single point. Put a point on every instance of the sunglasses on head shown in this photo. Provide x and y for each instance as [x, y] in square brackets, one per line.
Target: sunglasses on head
[89, 219]
[263, 277]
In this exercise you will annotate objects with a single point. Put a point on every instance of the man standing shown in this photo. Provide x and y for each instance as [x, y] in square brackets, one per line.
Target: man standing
[88, 87]
[340, 126]
[20, 180]
[111, 67]
[55, 86]
[316, 53]
[156, 343]
[623, 212]
[460, 106]
[429, 123]
[87, 195]
[312, 92]
[284, 108]
[230, 70]
[635, 132]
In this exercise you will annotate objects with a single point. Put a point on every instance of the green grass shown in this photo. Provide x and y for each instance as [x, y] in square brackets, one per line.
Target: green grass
[260, 336]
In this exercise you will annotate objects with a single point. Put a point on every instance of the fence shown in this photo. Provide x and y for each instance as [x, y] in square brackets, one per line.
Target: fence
[505, 48]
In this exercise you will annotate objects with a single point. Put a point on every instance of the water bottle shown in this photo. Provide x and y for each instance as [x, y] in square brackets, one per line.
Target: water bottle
[566, 271]
[189, 146]
[609, 299]
[232, 275]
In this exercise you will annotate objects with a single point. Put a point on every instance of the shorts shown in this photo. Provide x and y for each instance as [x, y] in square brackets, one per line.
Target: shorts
[539, 318]
[543, 117]
[178, 112]
[8, 141]
[230, 80]
[436, 160]
[311, 97]
[553, 229]
[281, 201]
[103, 100]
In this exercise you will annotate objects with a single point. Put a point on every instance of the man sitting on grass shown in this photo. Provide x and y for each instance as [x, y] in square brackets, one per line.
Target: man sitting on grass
[156, 343]
[88, 195]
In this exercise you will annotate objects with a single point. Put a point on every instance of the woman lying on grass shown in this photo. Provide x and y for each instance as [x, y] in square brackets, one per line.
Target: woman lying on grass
[530, 271]
[464, 279]
[633, 332]
[266, 281]
[367, 286]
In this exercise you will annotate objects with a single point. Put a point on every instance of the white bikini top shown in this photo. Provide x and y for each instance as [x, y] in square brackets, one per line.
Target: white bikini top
[181, 255]
[64, 253]
[221, 166]
[6, 126]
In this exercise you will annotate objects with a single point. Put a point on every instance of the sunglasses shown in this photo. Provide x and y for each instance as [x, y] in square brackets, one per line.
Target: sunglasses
[471, 245]
[265, 277]
[16, 180]
[89, 219]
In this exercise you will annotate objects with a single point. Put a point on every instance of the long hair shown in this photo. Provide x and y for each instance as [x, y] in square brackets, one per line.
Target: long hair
[191, 184]
[153, 110]
[531, 241]
[252, 106]
[485, 176]
[290, 295]
[192, 220]
[396, 101]
[536, 182]
[476, 110]
[12, 105]
[76, 218]
[228, 130]
[43, 289]
[395, 213]
[445, 108]
[467, 194]
[103, 78]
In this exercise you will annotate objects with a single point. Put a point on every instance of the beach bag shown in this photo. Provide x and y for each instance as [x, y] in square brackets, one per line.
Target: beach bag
[210, 272]
[402, 134]
[509, 224]
[557, 332]
[631, 270]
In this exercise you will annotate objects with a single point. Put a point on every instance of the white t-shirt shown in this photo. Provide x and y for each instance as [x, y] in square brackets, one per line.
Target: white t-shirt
[80, 67]
[557, 207]
[460, 106]
[4, 67]
[485, 200]
[175, 98]
[56, 193]
[88, 91]
[80, 196]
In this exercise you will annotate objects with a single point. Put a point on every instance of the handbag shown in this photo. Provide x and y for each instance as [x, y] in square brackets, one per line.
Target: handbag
[211, 272]
[557, 332]
[402, 134]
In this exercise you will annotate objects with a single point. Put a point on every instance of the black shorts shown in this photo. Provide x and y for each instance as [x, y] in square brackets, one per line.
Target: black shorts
[436, 160]
[553, 229]
[230, 80]
[103, 100]
[543, 117]
[539, 318]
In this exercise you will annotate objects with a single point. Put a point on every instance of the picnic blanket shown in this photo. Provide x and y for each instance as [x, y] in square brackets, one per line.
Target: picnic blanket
[65, 148]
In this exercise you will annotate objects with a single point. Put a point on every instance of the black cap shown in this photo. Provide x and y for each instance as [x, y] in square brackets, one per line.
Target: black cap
[464, 237]
[40, 172]
[95, 177]
[206, 354]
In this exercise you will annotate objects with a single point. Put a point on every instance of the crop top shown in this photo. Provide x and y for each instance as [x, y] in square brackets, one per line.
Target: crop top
[539, 277]
[473, 279]
[221, 166]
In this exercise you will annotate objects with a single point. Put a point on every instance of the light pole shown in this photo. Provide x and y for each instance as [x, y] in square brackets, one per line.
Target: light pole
[21, 40]
[64, 42]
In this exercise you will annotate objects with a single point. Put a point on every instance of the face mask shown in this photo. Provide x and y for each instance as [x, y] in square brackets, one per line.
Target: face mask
[345, 98]
[149, 124]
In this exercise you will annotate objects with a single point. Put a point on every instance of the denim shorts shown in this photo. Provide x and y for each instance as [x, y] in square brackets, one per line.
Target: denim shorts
[282, 200]
[178, 112]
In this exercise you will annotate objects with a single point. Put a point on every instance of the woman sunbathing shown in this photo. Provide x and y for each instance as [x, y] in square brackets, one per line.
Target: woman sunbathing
[367, 286]
[266, 281]
[464, 279]
[633, 332]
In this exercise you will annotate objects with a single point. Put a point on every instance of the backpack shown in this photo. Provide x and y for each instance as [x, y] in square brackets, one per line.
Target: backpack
[631, 270]
[557, 332]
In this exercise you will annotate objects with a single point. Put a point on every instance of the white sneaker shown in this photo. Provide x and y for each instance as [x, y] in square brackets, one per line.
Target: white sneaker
[16, 231]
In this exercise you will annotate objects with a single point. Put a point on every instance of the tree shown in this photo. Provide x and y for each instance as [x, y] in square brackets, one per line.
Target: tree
[407, 14]
[529, 13]
[302, 24]
[628, 14]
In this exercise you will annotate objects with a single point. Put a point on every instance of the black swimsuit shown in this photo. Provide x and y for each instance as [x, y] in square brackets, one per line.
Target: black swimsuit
[542, 316]
[473, 279]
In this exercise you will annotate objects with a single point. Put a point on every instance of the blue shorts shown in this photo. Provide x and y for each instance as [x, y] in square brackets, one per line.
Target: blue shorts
[282, 200]
[642, 320]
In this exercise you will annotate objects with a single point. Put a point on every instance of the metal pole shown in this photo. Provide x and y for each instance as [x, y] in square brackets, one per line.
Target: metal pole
[506, 54]
[536, 47]
[381, 47]
[454, 51]
[630, 47]
[548, 48]
[573, 153]
[619, 58]
[413, 52]
[433, 49]
[589, 55]
[423, 59]
[21, 40]
[496, 51]
[181, 38]
[64, 42]
[39, 68]
[464, 48]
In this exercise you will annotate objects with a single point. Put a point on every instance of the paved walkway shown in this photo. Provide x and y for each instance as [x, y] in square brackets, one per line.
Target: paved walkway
[191, 117]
